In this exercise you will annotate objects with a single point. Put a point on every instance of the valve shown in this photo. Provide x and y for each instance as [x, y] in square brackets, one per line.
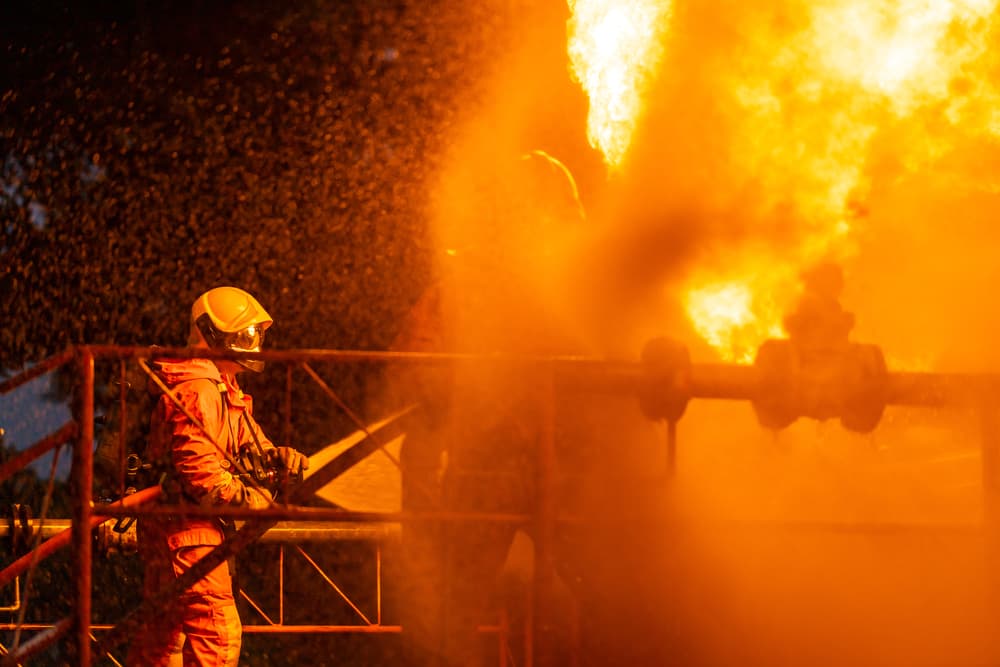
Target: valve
[117, 538]
[848, 381]
[817, 372]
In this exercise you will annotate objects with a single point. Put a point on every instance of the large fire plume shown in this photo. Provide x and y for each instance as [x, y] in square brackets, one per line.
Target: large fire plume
[824, 104]
[615, 49]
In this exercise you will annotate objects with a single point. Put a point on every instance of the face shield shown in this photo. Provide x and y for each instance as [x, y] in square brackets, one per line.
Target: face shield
[249, 339]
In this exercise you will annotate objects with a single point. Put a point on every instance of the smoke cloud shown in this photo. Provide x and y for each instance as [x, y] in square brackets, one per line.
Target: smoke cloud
[761, 151]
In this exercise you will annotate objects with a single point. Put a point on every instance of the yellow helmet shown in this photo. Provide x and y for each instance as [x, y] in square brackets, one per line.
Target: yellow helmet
[230, 319]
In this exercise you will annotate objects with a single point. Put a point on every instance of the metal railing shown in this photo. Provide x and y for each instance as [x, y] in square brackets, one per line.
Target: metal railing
[679, 381]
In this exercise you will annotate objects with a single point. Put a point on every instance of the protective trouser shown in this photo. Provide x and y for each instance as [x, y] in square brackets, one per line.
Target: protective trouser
[201, 628]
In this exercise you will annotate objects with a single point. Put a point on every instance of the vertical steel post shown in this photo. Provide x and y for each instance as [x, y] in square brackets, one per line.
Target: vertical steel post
[82, 478]
[281, 584]
[543, 635]
[378, 584]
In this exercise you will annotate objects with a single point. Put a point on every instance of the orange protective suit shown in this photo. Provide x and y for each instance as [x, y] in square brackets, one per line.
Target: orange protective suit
[204, 629]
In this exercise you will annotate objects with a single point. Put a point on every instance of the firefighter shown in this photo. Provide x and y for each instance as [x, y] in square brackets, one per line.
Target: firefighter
[201, 426]
[472, 444]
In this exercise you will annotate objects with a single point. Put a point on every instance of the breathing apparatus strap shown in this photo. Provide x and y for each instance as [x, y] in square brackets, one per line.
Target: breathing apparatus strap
[253, 434]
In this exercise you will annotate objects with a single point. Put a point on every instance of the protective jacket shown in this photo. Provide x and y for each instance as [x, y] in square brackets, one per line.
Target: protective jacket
[196, 452]
[195, 432]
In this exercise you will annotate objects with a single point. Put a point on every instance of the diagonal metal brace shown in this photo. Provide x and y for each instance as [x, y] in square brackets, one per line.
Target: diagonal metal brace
[251, 531]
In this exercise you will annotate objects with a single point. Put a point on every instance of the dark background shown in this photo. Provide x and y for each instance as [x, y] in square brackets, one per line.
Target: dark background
[180, 145]
[152, 150]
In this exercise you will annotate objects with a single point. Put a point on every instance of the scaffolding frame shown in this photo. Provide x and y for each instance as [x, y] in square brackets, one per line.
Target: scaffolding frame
[699, 381]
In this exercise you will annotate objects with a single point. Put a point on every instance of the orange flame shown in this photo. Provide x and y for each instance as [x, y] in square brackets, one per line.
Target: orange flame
[810, 103]
[615, 48]
[733, 317]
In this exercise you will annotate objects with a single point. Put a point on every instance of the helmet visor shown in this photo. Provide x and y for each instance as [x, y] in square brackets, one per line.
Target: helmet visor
[250, 339]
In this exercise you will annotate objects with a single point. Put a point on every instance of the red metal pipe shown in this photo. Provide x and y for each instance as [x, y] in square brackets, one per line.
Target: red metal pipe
[270, 629]
[278, 628]
[66, 433]
[282, 532]
[83, 480]
[39, 369]
[324, 629]
[723, 381]
[293, 512]
[119, 352]
[50, 546]
[320, 629]
[39, 642]
[544, 649]
[707, 380]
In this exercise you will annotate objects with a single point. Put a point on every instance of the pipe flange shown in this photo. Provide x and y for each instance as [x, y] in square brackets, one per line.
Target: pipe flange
[665, 388]
[777, 399]
[866, 393]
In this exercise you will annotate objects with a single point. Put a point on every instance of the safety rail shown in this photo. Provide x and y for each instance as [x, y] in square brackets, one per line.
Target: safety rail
[672, 382]
[259, 526]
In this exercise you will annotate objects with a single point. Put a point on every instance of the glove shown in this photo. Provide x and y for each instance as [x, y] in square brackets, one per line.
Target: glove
[245, 496]
[292, 460]
[256, 499]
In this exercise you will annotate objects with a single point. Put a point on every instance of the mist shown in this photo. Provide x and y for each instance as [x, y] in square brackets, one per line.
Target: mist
[808, 546]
